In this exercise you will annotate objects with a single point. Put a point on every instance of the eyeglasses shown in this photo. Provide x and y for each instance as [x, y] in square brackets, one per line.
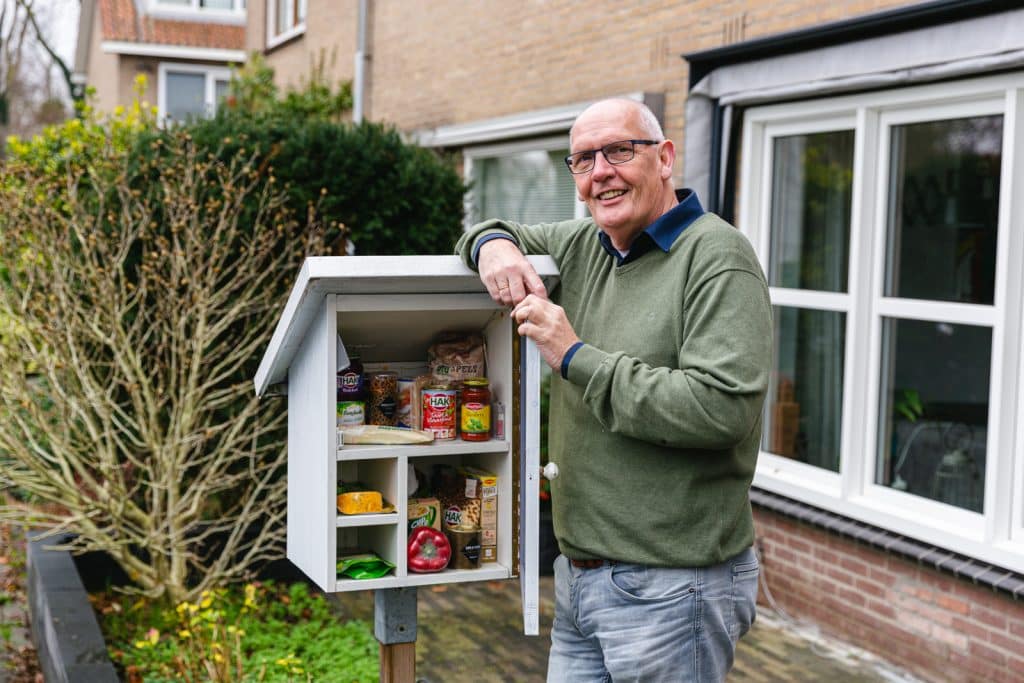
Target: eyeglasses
[614, 152]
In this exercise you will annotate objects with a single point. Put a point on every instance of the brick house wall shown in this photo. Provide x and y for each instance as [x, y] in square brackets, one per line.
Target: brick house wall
[449, 61]
[936, 626]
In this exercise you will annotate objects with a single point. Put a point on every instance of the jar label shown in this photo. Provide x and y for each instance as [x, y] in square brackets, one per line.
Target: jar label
[476, 418]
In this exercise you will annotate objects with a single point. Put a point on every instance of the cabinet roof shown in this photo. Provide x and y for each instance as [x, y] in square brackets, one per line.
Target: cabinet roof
[323, 275]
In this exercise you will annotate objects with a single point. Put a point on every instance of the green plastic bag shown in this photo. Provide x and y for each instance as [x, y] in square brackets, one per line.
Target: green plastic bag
[364, 566]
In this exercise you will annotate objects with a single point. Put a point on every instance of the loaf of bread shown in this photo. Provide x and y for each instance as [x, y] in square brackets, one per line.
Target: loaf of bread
[377, 434]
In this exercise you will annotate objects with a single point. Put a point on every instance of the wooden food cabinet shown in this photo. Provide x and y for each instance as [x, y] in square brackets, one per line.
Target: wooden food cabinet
[390, 309]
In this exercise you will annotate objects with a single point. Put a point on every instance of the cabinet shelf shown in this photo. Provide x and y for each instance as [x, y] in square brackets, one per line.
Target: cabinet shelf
[486, 572]
[371, 519]
[454, 447]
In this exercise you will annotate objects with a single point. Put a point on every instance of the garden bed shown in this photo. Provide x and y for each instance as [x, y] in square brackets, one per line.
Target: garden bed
[275, 629]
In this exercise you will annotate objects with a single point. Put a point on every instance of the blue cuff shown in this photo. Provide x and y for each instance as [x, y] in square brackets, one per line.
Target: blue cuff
[568, 357]
[487, 238]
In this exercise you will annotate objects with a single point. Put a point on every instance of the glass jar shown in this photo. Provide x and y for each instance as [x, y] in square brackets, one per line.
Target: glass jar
[475, 409]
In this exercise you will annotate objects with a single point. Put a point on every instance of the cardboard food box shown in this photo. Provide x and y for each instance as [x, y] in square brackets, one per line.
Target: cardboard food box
[424, 512]
[469, 497]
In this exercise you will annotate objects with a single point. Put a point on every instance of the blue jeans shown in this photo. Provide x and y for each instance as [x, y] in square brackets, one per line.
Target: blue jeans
[631, 622]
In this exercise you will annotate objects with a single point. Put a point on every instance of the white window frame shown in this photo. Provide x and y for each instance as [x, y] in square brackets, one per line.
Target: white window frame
[277, 36]
[997, 535]
[195, 11]
[545, 144]
[212, 74]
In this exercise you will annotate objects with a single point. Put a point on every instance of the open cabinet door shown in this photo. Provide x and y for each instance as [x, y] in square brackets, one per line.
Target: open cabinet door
[529, 477]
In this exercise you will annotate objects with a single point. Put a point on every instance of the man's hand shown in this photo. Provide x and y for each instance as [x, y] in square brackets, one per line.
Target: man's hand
[506, 273]
[545, 323]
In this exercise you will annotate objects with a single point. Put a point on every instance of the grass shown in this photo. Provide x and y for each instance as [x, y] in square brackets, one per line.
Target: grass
[258, 632]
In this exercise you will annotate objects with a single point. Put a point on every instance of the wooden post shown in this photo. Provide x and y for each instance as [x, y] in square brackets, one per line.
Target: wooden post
[394, 626]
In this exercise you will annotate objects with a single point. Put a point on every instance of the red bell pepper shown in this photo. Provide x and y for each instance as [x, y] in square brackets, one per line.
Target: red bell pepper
[429, 550]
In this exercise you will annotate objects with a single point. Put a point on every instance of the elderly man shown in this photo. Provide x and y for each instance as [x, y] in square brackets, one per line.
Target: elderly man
[659, 334]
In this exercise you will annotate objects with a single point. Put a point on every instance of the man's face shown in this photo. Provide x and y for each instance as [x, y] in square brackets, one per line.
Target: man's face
[623, 198]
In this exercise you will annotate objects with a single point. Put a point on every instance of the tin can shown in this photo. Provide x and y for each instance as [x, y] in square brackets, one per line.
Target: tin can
[439, 402]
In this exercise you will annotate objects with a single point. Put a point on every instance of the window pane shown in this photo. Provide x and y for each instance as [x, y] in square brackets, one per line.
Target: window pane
[185, 96]
[934, 419]
[284, 21]
[528, 187]
[943, 209]
[215, 4]
[220, 91]
[803, 415]
[812, 181]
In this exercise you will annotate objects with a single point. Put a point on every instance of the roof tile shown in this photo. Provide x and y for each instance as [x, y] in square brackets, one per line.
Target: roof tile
[120, 22]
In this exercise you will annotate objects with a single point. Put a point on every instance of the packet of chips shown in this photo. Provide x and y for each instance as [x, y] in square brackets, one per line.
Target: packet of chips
[363, 566]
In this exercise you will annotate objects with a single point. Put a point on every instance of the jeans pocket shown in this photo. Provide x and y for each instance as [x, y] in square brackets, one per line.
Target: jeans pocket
[744, 596]
[638, 583]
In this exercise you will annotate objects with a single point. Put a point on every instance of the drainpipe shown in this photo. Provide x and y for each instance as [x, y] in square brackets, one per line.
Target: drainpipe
[359, 77]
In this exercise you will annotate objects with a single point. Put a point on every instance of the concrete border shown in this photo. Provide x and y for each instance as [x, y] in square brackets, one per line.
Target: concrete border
[66, 633]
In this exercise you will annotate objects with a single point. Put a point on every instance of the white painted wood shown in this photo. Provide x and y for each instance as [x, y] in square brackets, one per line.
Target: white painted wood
[368, 519]
[389, 310]
[311, 476]
[486, 572]
[529, 475]
[453, 447]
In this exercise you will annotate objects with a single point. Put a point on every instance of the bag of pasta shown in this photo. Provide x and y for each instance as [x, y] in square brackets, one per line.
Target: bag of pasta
[456, 356]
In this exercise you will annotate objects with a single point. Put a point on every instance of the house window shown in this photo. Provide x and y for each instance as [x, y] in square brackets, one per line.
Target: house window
[285, 19]
[883, 223]
[201, 5]
[809, 259]
[525, 183]
[188, 92]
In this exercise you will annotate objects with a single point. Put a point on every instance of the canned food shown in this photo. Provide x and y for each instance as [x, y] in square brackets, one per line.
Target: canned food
[439, 402]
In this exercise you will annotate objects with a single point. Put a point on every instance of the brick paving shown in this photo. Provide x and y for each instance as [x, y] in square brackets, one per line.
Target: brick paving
[472, 633]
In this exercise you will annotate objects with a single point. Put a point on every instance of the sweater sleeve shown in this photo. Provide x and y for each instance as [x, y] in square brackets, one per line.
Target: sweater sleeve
[543, 238]
[713, 398]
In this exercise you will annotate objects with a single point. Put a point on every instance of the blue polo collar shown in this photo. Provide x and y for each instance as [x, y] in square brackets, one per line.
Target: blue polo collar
[663, 232]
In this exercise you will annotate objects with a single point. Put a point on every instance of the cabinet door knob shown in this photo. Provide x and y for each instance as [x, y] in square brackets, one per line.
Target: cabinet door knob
[550, 471]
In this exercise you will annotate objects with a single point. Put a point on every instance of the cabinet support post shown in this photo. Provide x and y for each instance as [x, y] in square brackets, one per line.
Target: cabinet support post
[394, 626]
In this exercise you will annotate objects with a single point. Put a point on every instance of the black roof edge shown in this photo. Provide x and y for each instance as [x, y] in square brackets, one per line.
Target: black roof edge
[916, 16]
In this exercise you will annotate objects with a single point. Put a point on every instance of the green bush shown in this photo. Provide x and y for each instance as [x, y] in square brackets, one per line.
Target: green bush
[393, 198]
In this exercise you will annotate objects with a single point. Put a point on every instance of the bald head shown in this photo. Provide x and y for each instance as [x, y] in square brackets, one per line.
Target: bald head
[626, 111]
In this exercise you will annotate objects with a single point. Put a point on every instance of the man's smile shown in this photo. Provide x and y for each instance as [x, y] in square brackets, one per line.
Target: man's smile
[610, 194]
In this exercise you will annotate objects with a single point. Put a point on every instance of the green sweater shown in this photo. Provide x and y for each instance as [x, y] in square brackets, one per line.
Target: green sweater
[657, 429]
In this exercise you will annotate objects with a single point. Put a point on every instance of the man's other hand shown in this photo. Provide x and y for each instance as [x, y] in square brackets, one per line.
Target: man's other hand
[506, 273]
[547, 325]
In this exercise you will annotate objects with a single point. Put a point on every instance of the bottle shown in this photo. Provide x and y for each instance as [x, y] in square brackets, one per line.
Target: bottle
[351, 395]
[475, 410]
